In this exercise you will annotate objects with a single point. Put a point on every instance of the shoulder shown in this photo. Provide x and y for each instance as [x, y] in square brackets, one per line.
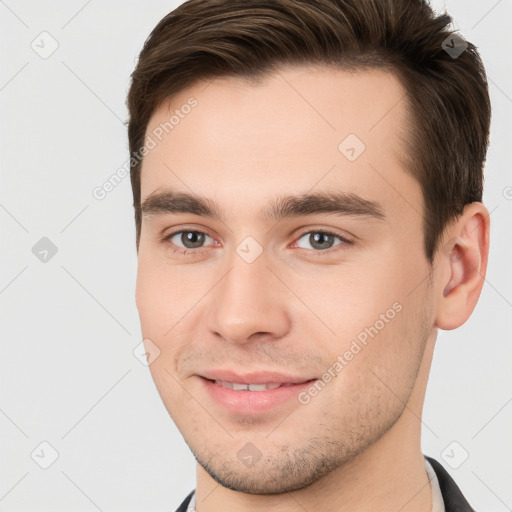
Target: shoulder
[454, 500]
[184, 505]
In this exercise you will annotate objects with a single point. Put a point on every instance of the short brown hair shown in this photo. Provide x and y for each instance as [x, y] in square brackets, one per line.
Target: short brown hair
[447, 94]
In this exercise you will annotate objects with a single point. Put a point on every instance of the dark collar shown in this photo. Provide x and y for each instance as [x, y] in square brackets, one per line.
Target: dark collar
[186, 501]
[453, 498]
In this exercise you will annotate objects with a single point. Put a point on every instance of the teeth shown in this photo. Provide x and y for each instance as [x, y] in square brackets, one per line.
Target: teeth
[247, 387]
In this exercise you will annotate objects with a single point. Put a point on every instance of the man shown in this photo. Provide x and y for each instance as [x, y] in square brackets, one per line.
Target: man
[307, 183]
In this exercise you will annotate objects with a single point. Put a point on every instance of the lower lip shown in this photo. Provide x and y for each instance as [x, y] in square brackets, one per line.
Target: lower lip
[250, 402]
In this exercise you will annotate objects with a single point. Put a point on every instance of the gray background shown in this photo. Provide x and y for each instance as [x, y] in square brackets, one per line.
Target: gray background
[69, 325]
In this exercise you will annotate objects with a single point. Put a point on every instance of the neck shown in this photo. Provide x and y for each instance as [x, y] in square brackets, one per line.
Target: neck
[389, 475]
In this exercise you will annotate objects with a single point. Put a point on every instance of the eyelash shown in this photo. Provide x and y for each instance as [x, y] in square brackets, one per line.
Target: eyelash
[185, 252]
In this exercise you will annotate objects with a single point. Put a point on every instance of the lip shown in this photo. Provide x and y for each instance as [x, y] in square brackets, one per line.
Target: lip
[264, 377]
[253, 402]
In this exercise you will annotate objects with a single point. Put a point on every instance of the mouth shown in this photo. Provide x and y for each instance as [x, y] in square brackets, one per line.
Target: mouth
[236, 386]
[264, 377]
[249, 398]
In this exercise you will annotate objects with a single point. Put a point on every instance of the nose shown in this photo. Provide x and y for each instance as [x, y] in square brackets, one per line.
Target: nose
[249, 303]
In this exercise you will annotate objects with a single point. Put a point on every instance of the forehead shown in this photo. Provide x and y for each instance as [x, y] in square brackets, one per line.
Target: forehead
[299, 128]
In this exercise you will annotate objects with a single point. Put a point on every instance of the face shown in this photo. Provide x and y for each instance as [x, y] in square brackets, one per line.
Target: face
[282, 244]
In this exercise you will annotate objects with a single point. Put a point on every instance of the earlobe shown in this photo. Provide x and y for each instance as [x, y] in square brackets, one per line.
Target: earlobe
[461, 267]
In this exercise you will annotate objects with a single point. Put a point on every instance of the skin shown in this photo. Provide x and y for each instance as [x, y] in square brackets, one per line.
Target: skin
[356, 445]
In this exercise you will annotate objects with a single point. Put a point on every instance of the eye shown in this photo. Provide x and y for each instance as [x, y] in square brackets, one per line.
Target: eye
[321, 240]
[186, 241]
[190, 241]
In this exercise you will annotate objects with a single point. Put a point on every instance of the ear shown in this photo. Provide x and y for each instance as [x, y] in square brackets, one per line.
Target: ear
[462, 263]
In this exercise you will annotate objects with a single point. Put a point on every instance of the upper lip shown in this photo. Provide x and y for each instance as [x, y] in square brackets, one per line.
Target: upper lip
[264, 377]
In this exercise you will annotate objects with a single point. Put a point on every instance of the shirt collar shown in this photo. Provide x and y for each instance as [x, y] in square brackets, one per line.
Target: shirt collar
[437, 497]
[192, 504]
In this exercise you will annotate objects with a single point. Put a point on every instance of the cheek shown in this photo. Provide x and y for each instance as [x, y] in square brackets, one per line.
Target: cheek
[168, 299]
[149, 296]
[345, 301]
[367, 316]
[163, 292]
[157, 296]
[378, 366]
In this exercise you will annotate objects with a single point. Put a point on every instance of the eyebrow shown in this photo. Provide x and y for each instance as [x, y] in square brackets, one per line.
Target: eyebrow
[166, 201]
